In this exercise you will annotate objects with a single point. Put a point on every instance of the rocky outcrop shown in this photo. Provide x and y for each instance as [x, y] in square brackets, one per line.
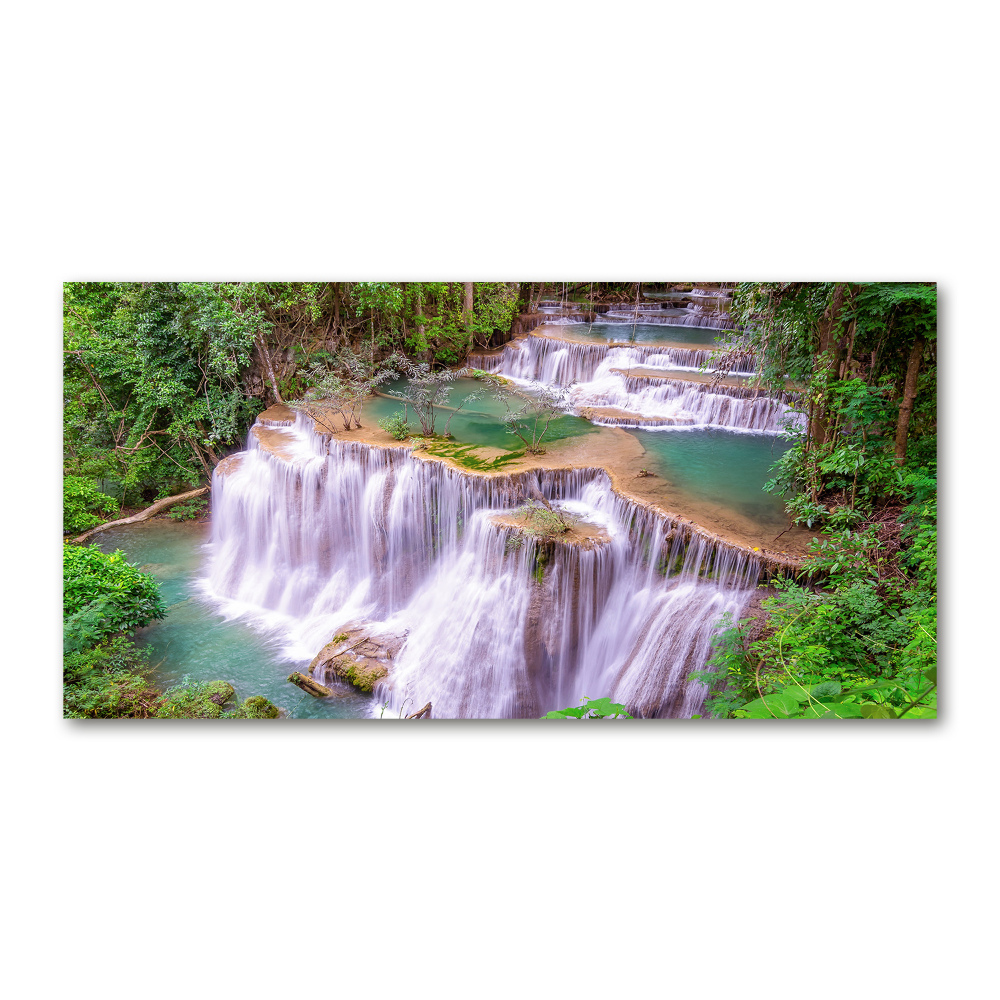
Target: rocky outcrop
[576, 532]
[257, 707]
[358, 655]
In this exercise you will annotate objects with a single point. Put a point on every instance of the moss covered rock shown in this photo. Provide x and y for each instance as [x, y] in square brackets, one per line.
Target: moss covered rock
[363, 673]
[202, 700]
[257, 707]
[358, 654]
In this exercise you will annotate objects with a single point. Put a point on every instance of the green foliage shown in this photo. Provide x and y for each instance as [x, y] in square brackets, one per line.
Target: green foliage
[428, 391]
[528, 416]
[153, 378]
[541, 522]
[108, 681]
[195, 700]
[863, 646]
[495, 304]
[342, 390]
[395, 426]
[104, 594]
[597, 708]
[84, 505]
[849, 345]
[257, 707]
[469, 456]
[189, 509]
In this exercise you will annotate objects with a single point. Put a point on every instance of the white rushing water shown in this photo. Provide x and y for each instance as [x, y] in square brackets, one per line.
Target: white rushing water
[683, 404]
[606, 376]
[560, 362]
[324, 535]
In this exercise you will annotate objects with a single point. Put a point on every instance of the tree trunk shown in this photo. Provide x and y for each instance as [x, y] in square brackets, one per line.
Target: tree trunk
[266, 358]
[144, 515]
[829, 328]
[419, 314]
[909, 396]
[467, 310]
[310, 686]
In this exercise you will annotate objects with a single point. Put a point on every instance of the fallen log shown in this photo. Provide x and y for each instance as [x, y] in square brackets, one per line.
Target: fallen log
[144, 515]
[425, 712]
[310, 686]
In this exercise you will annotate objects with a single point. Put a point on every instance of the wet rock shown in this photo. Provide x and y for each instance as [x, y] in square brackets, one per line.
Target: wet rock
[257, 707]
[357, 654]
[197, 701]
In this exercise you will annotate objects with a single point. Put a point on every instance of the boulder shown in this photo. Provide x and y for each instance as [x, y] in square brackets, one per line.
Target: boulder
[357, 654]
[257, 707]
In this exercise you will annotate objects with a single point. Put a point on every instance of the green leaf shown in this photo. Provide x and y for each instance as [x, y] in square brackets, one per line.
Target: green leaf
[567, 713]
[778, 705]
[828, 689]
[831, 710]
[877, 712]
[602, 707]
[796, 691]
[931, 674]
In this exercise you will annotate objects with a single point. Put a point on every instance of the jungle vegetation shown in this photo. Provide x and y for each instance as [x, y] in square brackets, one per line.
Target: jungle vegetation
[855, 634]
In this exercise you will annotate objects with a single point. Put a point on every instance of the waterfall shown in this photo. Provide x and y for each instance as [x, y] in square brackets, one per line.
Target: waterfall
[694, 315]
[310, 534]
[559, 362]
[609, 377]
[672, 402]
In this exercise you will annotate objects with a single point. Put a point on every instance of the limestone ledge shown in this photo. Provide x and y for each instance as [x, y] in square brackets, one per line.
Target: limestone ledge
[622, 457]
[615, 415]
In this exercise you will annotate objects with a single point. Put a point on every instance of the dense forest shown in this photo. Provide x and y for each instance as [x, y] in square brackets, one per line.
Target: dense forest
[162, 380]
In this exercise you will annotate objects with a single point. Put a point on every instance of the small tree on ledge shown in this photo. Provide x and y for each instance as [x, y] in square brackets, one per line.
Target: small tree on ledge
[528, 416]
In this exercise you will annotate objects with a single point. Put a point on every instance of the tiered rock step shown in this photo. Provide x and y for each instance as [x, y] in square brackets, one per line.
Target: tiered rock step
[613, 417]
[581, 533]
[637, 378]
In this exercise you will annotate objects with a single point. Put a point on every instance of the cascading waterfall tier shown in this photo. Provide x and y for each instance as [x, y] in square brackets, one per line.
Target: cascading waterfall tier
[664, 402]
[311, 533]
[665, 314]
[606, 386]
[560, 362]
[698, 307]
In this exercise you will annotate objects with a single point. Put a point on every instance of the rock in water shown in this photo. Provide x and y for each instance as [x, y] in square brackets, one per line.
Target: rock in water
[358, 655]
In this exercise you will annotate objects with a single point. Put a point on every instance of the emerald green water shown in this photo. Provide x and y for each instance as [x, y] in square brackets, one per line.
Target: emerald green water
[194, 642]
[719, 466]
[480, 424]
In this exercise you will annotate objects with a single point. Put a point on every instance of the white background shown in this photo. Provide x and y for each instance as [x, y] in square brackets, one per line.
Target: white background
[515, 141]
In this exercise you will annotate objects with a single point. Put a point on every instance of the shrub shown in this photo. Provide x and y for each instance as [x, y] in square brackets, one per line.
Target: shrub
[395, 426]
[592, 708]
[197, 700]
[540, 522]
[108, 682]
[188, 510]
[84, 504]
[257, 707]
[104, 594]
